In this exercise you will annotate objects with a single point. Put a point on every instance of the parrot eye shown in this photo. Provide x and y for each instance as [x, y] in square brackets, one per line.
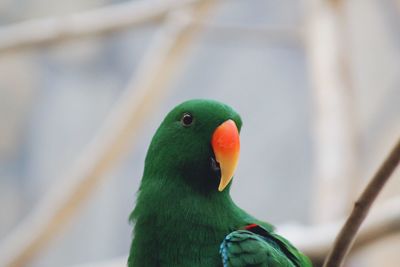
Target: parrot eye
[187, 119]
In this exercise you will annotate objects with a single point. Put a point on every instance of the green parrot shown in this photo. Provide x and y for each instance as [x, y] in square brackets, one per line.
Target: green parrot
[184, 215]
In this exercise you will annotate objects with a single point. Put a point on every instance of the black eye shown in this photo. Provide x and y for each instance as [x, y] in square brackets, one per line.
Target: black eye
[187, 119]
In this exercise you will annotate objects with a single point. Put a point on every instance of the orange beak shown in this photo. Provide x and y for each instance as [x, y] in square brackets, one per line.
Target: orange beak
[226, 145]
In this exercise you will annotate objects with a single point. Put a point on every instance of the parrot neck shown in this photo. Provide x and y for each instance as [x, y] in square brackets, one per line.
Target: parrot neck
[170, 217]
[164, 197]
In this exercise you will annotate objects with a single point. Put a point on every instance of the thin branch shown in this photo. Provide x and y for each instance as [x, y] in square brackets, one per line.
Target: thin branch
[37, 32]
[361, 208]
[141, 97]
[316, 241]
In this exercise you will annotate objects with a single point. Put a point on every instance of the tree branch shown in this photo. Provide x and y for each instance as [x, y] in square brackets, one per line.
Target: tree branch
[316, 241]
[99, 21]
[345, 239]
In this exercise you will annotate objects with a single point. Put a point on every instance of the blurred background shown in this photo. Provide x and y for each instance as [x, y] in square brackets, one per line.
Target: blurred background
[84, 85]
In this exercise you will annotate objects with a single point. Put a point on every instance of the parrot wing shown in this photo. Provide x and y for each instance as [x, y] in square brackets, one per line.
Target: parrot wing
[255, 246]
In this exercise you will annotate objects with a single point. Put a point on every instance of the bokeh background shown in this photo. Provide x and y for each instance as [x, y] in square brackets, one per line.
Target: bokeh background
[317, 84]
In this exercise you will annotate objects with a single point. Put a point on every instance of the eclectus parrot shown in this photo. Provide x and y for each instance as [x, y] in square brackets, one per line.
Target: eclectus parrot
[184, 215]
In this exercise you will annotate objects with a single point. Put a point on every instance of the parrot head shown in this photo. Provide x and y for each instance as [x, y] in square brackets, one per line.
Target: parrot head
[197, 144]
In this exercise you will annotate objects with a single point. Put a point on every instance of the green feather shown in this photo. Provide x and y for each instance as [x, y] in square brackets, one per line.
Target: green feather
[255, 250]
[180, 216]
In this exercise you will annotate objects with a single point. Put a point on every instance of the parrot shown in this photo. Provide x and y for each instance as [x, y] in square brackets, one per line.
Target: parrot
[184, 215]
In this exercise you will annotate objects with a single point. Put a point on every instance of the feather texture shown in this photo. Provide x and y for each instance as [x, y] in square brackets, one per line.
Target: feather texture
[258, 247]
[180, 216]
